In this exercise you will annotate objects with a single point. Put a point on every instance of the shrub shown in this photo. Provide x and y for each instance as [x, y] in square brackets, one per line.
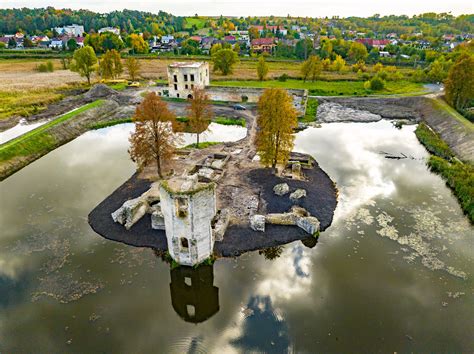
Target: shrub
[283, 77]
[42, 68]
[45, 67]
[50, 66]
[377, 83]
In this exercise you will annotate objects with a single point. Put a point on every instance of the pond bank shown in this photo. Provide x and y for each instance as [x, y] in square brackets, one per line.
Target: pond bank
[455, 130]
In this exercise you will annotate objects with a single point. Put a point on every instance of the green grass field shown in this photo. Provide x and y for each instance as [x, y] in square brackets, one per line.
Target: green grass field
[329, 88]
[198, 22]
[39, 140]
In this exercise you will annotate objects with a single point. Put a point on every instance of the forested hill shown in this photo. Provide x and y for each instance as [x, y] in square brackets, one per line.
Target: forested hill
[39, 20]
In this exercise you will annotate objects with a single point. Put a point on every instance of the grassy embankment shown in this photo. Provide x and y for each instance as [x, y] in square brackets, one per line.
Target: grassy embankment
[38, 140]
[330, 88]
[202, 145]
[311, 110]
[217, 120]
[26, 103]
[458, 176]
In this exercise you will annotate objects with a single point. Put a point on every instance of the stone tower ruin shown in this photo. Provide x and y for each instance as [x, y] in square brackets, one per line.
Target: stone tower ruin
[188, 208]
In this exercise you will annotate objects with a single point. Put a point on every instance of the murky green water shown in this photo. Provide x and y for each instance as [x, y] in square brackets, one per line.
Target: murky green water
[393, 272]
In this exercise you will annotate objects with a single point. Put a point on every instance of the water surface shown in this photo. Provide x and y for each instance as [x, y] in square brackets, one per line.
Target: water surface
[393, 272]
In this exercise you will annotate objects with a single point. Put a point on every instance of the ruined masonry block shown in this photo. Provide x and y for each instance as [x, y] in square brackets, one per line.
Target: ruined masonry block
[281, 189]
[257, 222]
[310, 224]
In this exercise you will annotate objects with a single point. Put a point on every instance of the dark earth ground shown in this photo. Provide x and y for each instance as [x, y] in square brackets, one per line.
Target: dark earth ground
[320, 202]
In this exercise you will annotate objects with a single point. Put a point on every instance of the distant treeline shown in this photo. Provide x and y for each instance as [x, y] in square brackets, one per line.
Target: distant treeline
[38, 21]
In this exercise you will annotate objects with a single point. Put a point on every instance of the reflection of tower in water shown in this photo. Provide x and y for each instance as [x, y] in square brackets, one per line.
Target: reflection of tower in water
[193, 294]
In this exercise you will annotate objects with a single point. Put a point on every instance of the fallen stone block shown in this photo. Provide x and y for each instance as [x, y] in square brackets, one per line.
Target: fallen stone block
[257, 222]
[221, 223]
[298, 194]
[130, 212]
[310, 224]
[281, 189]
[281, 219]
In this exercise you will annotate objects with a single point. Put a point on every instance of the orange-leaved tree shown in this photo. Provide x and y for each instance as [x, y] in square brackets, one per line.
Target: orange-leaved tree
[200, 112]
[154, 139]
[276, 120]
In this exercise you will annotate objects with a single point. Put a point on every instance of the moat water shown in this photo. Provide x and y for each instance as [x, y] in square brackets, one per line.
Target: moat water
[394, 273]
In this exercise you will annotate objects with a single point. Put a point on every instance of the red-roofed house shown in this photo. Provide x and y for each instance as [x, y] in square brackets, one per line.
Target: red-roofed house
[196, 38]
[376, 43]
[260, 45]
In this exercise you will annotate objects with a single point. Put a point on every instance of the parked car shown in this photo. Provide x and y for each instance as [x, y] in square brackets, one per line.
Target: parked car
[133, 84]
[238, 107]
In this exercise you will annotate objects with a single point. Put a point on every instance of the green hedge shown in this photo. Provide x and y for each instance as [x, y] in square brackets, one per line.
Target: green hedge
[458, 176]
[432, 142]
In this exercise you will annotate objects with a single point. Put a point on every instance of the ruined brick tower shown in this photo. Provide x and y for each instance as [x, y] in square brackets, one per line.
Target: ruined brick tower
[188, 208]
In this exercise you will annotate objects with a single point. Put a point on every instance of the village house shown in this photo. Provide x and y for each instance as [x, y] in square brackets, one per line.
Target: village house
[274, 29]
[71, 30]
[380, 44]
[167, 39]
[113, 30]
[240, 35]
[263, 45]
[56, 43]
[184, 76]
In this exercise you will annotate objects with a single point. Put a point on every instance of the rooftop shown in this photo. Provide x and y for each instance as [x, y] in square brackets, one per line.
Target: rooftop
[195, 64]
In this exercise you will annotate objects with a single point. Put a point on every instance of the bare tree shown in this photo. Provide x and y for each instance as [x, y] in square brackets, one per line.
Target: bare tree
[200, 112]
[154, 139]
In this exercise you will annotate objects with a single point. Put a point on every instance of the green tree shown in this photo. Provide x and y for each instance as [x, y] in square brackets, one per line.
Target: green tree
[110, 66]
[93, 40]
[27, 43]
[84, 62]
[109, 41]
[276, 120]
[338, 64]
[437, 72]
[133, 67]
[137, 44]
[224, 60]
[262, 68]
[459, 85]
[71, 44]
[11, 43]
[358, 51]
[311, 68]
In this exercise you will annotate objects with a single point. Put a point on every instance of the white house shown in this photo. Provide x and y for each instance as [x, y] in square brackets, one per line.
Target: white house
[113, 30]
[184, 76]
[167, 39]
[71, 30]
[56, 43]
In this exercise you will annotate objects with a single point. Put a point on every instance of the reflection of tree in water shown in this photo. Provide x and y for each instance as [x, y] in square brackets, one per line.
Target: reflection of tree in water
[263, 331]
[271, 253]
[193, 294]
[310, 242]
